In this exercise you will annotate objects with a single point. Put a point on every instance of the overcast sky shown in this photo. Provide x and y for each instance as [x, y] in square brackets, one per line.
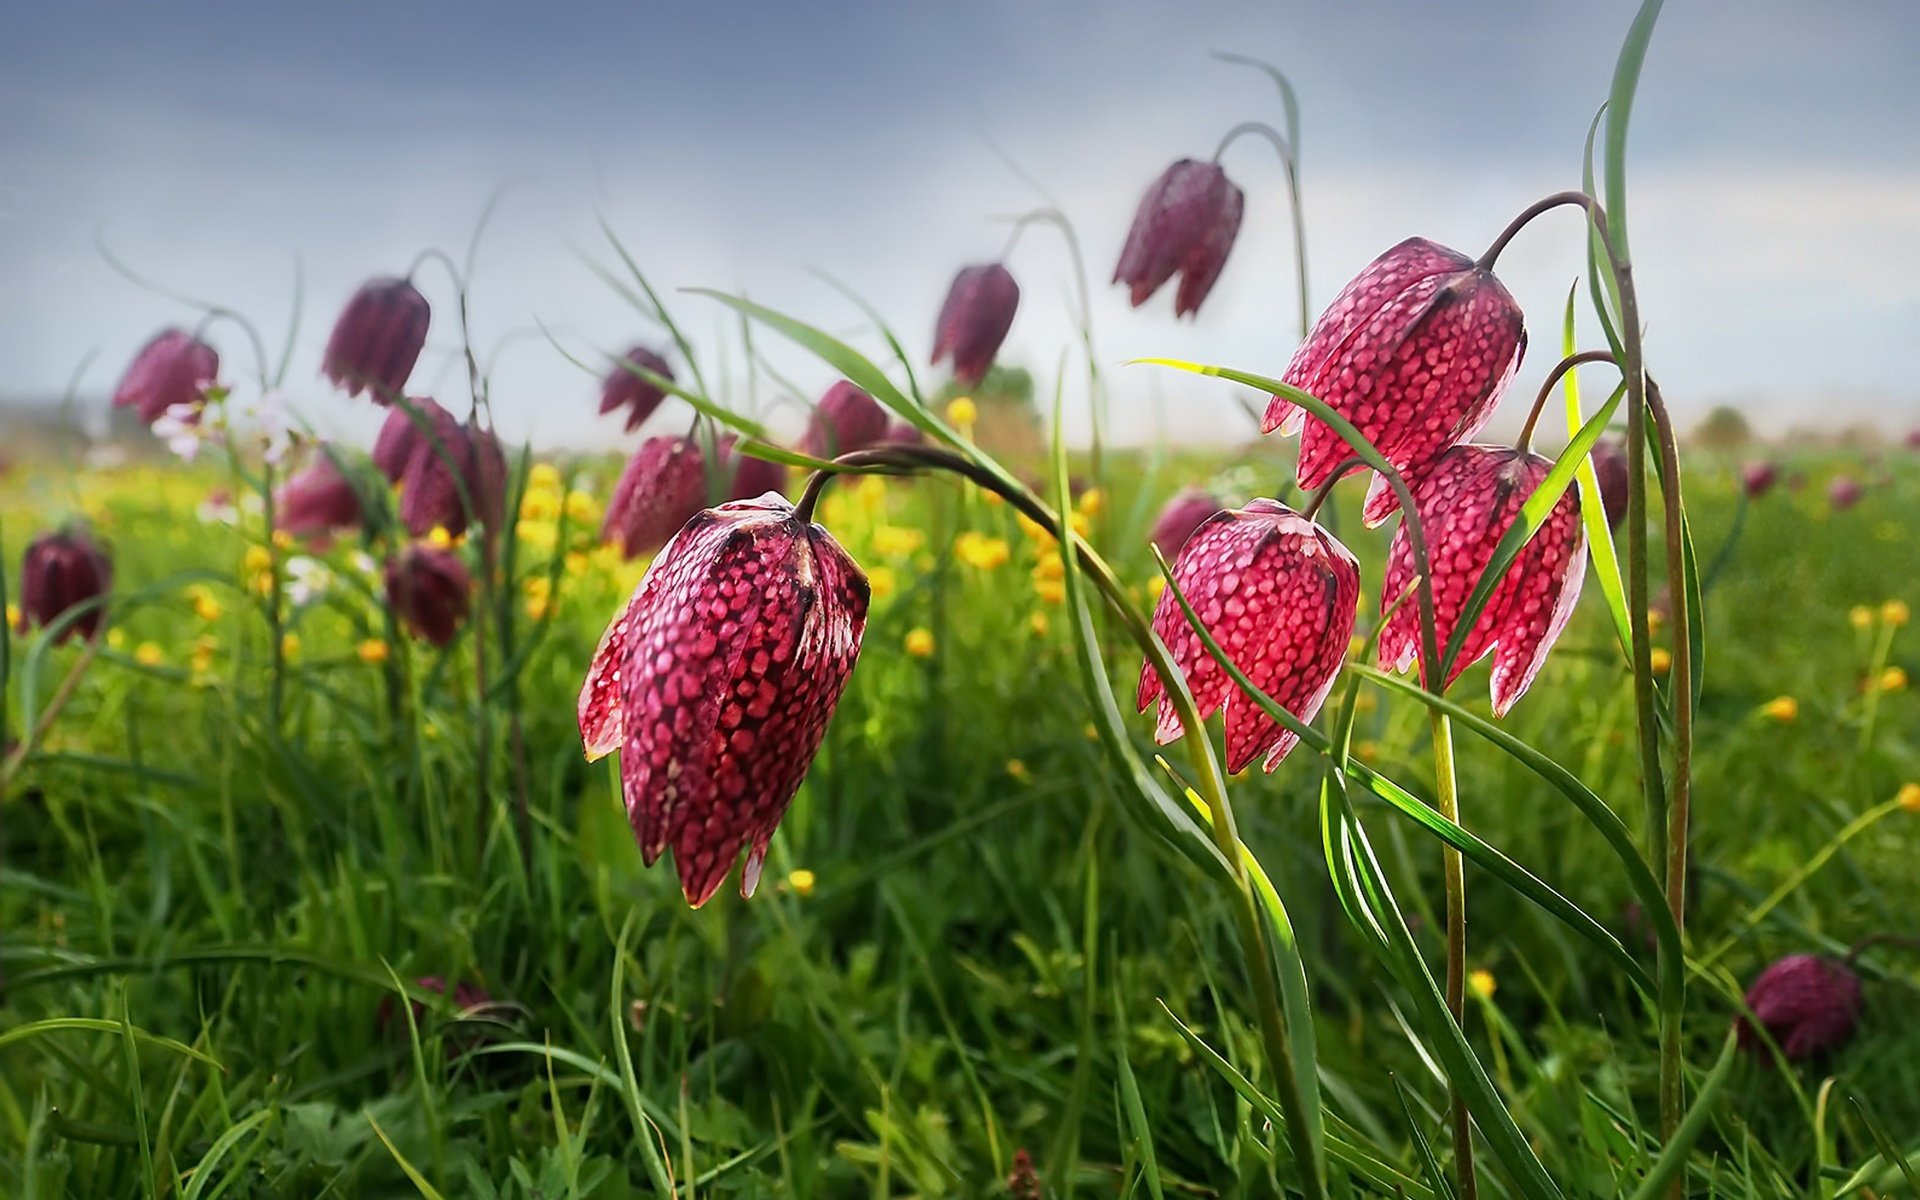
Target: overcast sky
[1775, 181]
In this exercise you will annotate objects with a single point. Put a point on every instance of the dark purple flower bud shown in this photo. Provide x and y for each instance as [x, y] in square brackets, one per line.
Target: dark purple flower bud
[61, 572]
[1182, 515]
[1610, 468]
[317, 502]
[401, 434]
[378, 339]
[845, 420]
[664, 485]
[1186, 223]
[1758, 478]
[624, 389]
[456, 474]
[1807, 1004]
[717, 680]
[905, 433]
[428, 588]
[1466, 504]
[1415, 352]
[175, 368]
[1279, 594]
[1844, 492]
[975, 319]
[747, 477]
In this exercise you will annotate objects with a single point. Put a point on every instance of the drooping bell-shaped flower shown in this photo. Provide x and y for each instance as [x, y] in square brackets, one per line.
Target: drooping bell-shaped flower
[974, 320]
[744, 476]
[1844, 492]
[1279, 594]
[1806, 1003]
[456, 474]
[1610, 470]
[1466, 503]
[624, 388]
[317, 502]
[905, 433]
[378, 339]
[173, 371]
[1415, 352]
[403, 432]
[1758, 477]
[717, 680]
[429, 589]
[663, 486]
[1186, 223]
[1183, 513]
[845, 420]
[62, 571]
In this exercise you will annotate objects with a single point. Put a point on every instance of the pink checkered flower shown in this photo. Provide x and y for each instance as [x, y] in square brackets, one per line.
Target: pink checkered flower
[717, 680]
[318, 502]
[378, 339]
[1807, 1004]
[173, 371]
[663, 486]
[974, 320]
[845, 420]
[1185, 224]
[1183, 514]
[625, 389]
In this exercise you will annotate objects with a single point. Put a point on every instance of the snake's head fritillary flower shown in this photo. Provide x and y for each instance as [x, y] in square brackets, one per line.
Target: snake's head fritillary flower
[173, 371]
[1415, 352]
[1466, 504]
[429, 589]
[974, 320]
[905, 433]
[745, 476]
[845, 420]
[624, 388]
[378, 339]
[317, 502]
[1844, 492]
[1183, 514]
[403, 432]
[1758, 478]
[1610, 469]
[456, 474]
[1279, 594]
[1186, 223]
[62, 571]
[1806, 1003]
[717, 680]
[664, 484]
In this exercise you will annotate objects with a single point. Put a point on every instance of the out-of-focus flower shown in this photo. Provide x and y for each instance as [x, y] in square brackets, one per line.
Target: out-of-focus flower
[625, 388]
[273, 419]
[882, 582]
[307, 579]
[182, 430]
[62, 571]
[1482, 983]
[746, 477]
[1807, 1004]
[1896, 613]
[919, 642]
[205, 605]
[896, 541]
[1758, 478]
[317, 502]
[290, 646]
[1784, 709]
[717, 680]
[378, 339]
[962, 412]
[405, 430]
[217, 508]
[1908, 797]
[373, 651]
[906, 433]
[1280, 595]
[1183, 514]
[474, 1003]
[1661, 659]
[1893, 679]
[149, 654]
[1186, 223]
[978, 550]
[974, 320]
[664, 485]
[1610, 469]
[845, 420]
[1844, 492]
[1467, 502]
[457, 467]
[173, 370]
[429, 590]
[1415, 352]
[1860, 617]
[802, 881]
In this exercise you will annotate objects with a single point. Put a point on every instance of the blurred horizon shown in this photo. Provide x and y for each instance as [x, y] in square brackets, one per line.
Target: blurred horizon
[1775, 185]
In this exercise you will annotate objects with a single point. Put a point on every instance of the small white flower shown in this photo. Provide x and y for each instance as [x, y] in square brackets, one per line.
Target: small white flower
[180, 429]
[218, 509]
[307, 579]
[273, 413]
[364, 563]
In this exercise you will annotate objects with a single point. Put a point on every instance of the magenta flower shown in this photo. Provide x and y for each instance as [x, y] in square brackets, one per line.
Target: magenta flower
[1279, 594]
[174, 369]
[428, 589]
[663, 486]
[1610, 469]
[1466, 503]
[317, 502]
[60, 572]
[1807, 1004]
[717, 681]
[975, 319]
[1844, 492]
[1758, 478]
[845, 420]
[904, 433]
[378, 339]
[747, 477]
[1183, 514]
[1414, 352]
[456, 474]
[1186, 223]
[401, 434]
[624, 389]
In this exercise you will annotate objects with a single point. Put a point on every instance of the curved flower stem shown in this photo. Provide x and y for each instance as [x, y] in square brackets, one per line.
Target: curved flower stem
[1905, 941]
[1546, 204]
[1096, 395]
[1546, 389]
[1291, 166]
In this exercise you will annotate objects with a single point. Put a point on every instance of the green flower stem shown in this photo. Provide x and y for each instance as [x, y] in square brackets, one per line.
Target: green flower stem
[1446, 792]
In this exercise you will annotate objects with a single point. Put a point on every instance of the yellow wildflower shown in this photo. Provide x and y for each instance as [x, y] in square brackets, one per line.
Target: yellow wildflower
[258, 558]
[880, 582]
[1038, 623]
[116, 638]
[582, 509]
[204, 604]
[963, 412]
[541, 535]
[1092, 501]
[872, 492]
[202, 660]
[992, 499]
[148, 654]
[1155, 586]
[539, 504]
[920, 643]
[290, 645]
[543, 475]
[895, 541]
[1781, 708]
[263, 583]
[1860, 617]
[1017, 769]
[538, 608]
[802, 881]
[976, 549]
[13, 616]
[1032, 528]
[1893, 679]
[1052, 591]
[1050, 566]
[1482, 984]
[283, 539]
[1662, 660]
[1895, 613]
[1909, 797]
[373, 651]
[439, 537]
[578, 562]
[1079, 523]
